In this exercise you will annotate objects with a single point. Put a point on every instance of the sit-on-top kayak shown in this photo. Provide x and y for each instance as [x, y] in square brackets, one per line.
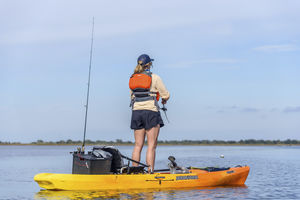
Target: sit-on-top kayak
[195, 178]
[104, 169]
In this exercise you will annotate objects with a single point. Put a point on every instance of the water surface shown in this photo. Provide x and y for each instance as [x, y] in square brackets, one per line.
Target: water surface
[274, 173]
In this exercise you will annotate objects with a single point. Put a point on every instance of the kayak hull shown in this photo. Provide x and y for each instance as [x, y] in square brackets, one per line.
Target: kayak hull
[195, 178]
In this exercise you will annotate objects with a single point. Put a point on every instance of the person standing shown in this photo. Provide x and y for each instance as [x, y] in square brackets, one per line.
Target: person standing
[146, 89]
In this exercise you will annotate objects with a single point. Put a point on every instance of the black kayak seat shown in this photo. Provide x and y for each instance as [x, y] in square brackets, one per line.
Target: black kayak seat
[211, 169]
[215, 169]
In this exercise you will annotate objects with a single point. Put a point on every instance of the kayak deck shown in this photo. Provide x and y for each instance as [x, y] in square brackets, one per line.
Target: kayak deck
[235, 176]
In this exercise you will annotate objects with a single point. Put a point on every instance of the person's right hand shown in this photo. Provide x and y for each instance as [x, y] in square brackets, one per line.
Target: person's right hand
[163, 101]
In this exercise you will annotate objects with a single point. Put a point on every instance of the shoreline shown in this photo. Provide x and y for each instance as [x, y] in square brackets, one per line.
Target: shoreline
[119, 144]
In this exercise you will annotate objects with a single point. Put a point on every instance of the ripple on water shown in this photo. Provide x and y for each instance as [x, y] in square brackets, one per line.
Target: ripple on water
[193, 193]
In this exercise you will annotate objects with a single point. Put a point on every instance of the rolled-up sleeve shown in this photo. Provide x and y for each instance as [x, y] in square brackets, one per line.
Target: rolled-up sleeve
[161, 88]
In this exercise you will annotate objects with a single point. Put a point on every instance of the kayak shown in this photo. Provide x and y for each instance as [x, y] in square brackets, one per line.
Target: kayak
[194, 177]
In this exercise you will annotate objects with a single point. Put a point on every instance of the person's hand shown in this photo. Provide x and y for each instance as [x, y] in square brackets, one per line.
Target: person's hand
[163, 101]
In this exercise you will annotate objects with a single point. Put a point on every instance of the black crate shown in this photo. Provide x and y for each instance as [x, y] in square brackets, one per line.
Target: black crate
[90, 164]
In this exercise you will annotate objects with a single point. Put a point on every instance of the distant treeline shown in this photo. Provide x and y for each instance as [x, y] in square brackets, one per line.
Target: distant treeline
[165, 142]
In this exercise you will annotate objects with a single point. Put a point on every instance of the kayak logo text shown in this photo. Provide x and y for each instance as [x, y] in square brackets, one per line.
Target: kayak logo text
[178, 178]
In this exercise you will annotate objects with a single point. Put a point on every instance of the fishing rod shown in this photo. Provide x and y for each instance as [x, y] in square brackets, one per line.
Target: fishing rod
[88, 89]
[165, 111]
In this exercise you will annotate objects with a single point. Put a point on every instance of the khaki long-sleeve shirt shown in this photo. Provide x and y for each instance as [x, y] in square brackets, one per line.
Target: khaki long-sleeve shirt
[156, 86]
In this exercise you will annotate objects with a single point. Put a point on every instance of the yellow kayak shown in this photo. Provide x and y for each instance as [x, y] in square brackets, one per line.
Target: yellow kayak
[235, 176]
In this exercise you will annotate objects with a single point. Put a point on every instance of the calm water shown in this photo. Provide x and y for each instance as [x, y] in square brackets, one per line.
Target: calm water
[274, 173]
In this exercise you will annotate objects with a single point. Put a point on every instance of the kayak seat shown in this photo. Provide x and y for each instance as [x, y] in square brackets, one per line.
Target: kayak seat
[210, 169]
[215, 169]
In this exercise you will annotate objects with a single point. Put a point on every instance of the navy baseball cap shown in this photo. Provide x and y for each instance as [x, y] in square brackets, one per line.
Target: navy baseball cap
[144, 58]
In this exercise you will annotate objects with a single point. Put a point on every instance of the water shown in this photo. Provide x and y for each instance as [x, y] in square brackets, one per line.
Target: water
[274, 173]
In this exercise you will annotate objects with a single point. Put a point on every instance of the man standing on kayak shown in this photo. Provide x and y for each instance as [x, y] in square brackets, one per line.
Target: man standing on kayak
[146, 89]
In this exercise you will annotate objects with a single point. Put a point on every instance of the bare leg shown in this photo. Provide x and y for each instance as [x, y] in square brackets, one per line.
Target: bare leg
[139, 136]
[152, 135]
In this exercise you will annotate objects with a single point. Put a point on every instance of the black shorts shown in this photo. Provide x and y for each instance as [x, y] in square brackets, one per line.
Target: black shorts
[146, 119]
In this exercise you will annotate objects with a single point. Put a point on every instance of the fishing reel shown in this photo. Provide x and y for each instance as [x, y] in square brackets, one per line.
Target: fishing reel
[165, 111]
[164, 108]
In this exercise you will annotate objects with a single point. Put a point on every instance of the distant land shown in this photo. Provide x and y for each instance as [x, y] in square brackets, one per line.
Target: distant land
[163, 142]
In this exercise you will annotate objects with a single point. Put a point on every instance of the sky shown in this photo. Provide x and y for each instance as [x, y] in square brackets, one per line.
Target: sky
[232, 67]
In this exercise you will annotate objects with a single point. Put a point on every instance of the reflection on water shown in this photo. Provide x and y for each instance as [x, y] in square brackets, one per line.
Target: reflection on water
[148, 194]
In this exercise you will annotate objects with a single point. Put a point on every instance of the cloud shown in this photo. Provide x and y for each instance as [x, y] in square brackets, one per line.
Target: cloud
[197, 63]
[230, 109]
[237, 109]
[277, 48]
[249, 110]
[273, 110]
[220, 60]
[292, 109]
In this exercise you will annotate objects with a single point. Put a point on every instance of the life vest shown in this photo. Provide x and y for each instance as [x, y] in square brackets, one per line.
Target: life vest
[140, 85]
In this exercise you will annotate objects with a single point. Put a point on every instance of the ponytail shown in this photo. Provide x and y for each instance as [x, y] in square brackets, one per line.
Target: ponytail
[139, 68]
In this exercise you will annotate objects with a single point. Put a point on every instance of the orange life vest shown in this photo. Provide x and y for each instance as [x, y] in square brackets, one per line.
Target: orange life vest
[141, 81]
[140, 85]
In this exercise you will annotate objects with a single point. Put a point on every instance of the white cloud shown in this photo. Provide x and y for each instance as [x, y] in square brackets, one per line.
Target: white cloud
[220, 60]
[202, 62]
[232, 109]
[291, 109]
[277, 48]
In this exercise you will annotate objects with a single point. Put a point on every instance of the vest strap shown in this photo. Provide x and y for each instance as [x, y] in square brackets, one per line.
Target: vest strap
[139, 99]
[146, 98]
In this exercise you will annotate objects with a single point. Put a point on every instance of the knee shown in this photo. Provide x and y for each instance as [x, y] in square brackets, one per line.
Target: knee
[152, 146]
[138, 146]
